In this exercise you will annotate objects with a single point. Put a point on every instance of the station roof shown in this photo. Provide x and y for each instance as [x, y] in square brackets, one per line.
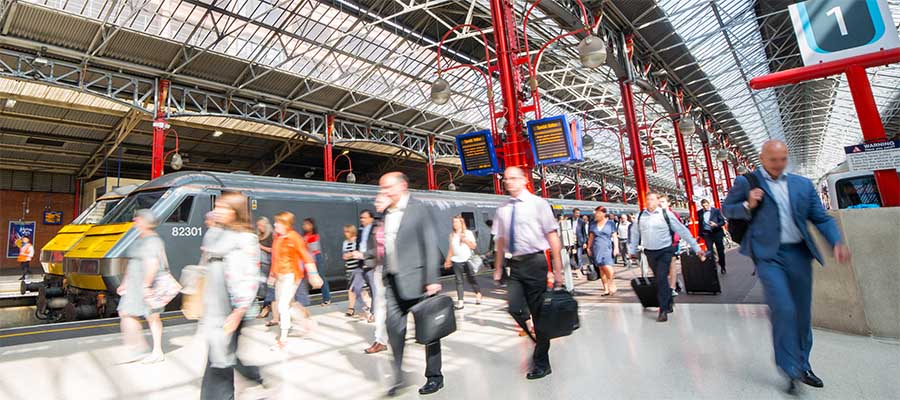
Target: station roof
[371, 63]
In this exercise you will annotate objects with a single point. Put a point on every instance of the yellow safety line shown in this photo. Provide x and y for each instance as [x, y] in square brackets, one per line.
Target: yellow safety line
[74, 328]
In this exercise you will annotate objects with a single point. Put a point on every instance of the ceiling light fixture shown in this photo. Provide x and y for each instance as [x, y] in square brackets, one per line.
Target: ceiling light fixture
[217, 133]
[592, 51]
[440, 91]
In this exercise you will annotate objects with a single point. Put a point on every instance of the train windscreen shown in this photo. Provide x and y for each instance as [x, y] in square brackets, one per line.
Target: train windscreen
[857, 192]
[124, 212]
[96, 212]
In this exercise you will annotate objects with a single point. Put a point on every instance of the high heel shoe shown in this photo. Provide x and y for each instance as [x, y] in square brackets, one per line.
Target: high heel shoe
[264, 312]
[478, 298]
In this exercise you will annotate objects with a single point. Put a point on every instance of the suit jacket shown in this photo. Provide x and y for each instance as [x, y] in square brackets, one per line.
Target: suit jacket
[417, 252]
[370, 253]
[714, 216]
[581, 233]
[764, 233]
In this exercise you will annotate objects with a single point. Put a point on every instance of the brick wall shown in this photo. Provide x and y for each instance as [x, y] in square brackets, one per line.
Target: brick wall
[11, 209]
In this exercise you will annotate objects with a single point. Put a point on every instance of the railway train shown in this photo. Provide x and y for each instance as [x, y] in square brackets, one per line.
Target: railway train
[850, 189]
[52, 253]
[93, 267]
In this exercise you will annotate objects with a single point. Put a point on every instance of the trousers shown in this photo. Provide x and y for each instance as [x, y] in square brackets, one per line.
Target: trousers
[660, 261]
[379, 304]
[460, 268]
[285, 288]
[526, 287]
[715, 238]
[787, 284]
[218, 383]
[397, 313]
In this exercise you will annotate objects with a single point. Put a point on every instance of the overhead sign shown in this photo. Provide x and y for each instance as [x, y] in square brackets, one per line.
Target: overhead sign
[476, 153]
[53, 217]
[555, 141]
[873, 156]
[829, 30]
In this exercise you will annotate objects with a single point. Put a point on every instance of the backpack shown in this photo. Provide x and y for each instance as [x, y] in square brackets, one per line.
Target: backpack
[737, 228]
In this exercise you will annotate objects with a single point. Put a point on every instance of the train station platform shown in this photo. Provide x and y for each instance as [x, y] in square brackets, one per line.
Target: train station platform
[705, 351]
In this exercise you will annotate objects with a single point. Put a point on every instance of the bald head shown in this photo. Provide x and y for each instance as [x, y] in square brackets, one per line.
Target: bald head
[774, 157]
[394, 185]
[515, 181]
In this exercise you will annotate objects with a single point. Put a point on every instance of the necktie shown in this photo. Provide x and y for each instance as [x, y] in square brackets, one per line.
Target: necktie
[512, 229]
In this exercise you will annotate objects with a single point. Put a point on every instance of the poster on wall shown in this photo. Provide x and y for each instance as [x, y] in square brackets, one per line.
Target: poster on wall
[18, 230]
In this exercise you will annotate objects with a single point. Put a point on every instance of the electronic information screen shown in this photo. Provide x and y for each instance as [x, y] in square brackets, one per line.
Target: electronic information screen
[476, 153]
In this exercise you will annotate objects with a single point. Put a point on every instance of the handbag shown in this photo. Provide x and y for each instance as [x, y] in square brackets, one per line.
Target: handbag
[435, 319]
[559, 315]
[193, 282]
[165, 287]
[476, 262]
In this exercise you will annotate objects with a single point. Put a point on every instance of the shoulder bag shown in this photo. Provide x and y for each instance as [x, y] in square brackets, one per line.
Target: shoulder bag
[165, 287]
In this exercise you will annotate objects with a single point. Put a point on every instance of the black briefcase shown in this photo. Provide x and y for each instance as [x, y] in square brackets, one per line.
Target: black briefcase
[559, 315]
[435, 319]
[644, 287]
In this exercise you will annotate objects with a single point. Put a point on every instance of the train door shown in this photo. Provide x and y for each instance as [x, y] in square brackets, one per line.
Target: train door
[182, 231]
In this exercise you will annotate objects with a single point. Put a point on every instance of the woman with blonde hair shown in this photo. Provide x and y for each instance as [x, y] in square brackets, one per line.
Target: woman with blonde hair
[146, 257]
[461, 248]
[288, 251]
[231, 250]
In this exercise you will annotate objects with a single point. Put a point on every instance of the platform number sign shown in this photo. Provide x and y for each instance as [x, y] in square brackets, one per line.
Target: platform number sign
[829, 30]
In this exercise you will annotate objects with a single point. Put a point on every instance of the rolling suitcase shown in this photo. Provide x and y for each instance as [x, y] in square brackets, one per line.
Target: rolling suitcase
[699, 277]
[645, 288]
[559, 315]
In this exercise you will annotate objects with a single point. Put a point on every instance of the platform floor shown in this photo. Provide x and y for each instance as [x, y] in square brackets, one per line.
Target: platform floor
[705, 351]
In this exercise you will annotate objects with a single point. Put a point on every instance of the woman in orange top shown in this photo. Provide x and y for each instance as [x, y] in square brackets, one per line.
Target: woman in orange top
[288, 251]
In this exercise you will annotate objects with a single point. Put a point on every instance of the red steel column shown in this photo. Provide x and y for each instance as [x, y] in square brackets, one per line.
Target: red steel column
[873, 131]
[711, 174]
[578, 184]
[686, 172]
[159, 130]
[544, 193]
[329, 148]
[515, 147]
[727, 173]
[498, 187]
[603, 188]
[429, 164]
[634, 142]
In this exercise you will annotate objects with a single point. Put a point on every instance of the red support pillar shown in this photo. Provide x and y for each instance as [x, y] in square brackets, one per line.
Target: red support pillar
[329, 148]
[727, 173]
[624, 194]
[873, 131]
[578, 184]
[498, 187]
[515, 146]
[159, 130]
[711, 174]
[688, 184]
[603, 188]
[634, 142]
[429, 164]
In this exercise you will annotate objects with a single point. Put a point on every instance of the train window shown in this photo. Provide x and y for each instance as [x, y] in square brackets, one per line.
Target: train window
[182, 214]
[856, 191]
[124, 211]
[469, 217]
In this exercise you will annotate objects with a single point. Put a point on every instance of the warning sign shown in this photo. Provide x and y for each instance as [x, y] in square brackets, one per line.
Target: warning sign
[873, 156]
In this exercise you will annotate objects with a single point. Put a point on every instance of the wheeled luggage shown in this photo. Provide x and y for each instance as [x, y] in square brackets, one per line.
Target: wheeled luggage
[644, 287]
[699, 277]
[435, 319]
[559, 315]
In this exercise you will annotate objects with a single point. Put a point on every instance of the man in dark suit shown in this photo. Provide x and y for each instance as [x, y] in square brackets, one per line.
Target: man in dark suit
[411, 272]
[780, 244]
[581, 236]
[711, 223]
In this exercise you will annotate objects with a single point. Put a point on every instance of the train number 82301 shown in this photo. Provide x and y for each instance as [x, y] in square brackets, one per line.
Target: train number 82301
[187, 231]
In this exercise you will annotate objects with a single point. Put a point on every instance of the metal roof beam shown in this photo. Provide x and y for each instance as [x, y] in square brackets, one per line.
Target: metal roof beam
[128, 122]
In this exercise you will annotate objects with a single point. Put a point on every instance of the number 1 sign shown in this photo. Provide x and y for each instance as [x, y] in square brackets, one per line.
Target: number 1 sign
[829, 30]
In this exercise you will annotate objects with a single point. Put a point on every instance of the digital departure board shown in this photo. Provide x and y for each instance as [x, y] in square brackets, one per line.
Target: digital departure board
[476, 153]
[555, 141]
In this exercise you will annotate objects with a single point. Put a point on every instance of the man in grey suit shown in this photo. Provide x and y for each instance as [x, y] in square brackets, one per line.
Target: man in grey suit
[411, 272]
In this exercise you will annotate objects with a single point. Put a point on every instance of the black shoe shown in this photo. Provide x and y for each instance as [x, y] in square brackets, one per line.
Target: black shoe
[431, 386]
[793, 389]
[22, 278]
[809, 378]
[395, 388]
[663, 316]
[723, 270]
[538, 373]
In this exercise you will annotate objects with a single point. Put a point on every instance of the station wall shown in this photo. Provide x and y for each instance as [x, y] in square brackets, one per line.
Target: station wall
[18, 205]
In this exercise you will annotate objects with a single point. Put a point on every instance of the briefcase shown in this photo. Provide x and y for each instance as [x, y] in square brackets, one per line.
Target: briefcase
[700, 276]
[559, 315]
[435, 319]
[645, 288]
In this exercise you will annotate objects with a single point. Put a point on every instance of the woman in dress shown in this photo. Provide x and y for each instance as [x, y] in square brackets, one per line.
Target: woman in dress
[602, 249]
[311, 236]
[231, 250]
[145, 258]
[462, 244]
[264, 233]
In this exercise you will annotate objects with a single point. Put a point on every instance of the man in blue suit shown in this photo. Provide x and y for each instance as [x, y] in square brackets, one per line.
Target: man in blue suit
[711, 223]
[782, 248]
